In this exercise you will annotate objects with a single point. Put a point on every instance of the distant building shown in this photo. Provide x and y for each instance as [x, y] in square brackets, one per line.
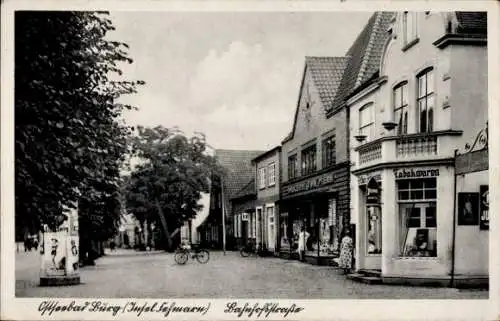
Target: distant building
[243, 213]
[269, 228]
[238, 172]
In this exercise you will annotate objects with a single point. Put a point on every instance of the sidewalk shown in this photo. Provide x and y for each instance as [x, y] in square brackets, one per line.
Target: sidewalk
[127, 252]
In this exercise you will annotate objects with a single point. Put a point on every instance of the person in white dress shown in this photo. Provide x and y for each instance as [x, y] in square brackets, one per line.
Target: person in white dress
[303, 236]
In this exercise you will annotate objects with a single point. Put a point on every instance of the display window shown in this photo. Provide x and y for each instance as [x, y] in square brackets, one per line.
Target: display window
[374, 237]
[417, 217]
[284, 232]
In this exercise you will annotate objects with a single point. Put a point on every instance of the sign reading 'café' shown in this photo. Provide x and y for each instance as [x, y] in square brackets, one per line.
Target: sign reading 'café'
[309, 184]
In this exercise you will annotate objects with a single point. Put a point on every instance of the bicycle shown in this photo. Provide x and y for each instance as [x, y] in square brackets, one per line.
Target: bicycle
[250, 249]
[182, 255]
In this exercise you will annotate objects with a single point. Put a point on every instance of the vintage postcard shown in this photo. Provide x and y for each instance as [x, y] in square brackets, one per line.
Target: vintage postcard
[249, 160]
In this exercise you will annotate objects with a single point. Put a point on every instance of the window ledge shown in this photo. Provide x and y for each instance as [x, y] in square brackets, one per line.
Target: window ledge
[410, 44]
[417, 258]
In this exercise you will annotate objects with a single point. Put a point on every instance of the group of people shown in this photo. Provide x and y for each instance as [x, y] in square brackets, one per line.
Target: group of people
[346, 248]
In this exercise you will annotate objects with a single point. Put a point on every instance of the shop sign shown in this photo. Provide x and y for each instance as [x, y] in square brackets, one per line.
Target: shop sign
[405, 173]
[309, 184]
[468, 207]
[476, 161]
[484, 206]
[373, 192]
[363, 179]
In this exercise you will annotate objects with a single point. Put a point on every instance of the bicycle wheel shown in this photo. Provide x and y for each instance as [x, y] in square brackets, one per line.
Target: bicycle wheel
[203, 256]
[181, 258]
[244, 252]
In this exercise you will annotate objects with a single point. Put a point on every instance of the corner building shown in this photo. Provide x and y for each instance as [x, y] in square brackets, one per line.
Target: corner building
[426, 102]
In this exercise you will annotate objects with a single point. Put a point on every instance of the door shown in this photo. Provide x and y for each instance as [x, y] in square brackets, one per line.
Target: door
[258, 226]
[271, 232]
[244, 232]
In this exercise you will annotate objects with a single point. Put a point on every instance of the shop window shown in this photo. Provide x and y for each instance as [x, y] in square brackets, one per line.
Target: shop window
[308, 160]
[262, 178]
[328, 150]
[418, 218]
[374, 239]
[292, 166]
[333, 241]
[272, 174]
[400, 104]
[284, 232]
[425, 100]
[366, 121]
[409, 28]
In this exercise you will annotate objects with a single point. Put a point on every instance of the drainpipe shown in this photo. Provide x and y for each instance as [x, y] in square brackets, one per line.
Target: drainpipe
[452, 279]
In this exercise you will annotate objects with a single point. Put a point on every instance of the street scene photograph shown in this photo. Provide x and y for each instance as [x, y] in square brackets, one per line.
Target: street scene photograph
[278, 155]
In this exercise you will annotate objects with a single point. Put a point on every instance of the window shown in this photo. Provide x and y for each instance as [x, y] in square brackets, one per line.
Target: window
[308, 160]
[262, 177]
[425, 100]
[292, 166]
[418, 219]
[400, 103]
[366, 121]
[409, 27]
[328, 150]
[272, 174]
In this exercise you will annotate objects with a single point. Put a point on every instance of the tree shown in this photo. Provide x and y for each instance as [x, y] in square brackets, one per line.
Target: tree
[69, 140]
[166, 186]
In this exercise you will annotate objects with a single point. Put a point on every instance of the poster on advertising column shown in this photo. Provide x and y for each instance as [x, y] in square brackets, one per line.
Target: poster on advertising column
[484, 206]
[54, 254]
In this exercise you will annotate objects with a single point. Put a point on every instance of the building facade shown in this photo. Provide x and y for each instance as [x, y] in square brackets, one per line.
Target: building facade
[243, 207]
[267, 228]
[408, 122]
[314, 196]
[238, 171]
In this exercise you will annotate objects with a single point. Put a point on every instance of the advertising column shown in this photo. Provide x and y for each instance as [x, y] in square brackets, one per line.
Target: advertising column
[59, 253]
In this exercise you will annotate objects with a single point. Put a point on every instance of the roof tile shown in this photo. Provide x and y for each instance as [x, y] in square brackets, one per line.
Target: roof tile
[326, 74]
[472, 22]
[239, 168]
[364, 55]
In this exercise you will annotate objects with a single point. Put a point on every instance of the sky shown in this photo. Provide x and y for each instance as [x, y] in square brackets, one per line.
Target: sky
[233, 76]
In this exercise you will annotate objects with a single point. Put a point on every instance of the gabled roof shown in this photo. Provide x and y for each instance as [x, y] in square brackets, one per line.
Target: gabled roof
[247, 190]
[326, 74]
[471, 22]
[364, 56]
[238, 168]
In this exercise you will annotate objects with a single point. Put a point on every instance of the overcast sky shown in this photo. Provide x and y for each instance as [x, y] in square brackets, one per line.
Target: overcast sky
[233, 76]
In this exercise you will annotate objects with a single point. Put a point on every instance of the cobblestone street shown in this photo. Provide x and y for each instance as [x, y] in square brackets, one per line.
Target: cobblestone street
[156, 275]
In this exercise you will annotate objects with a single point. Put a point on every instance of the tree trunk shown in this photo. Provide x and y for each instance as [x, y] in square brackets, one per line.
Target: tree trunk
[164, 224]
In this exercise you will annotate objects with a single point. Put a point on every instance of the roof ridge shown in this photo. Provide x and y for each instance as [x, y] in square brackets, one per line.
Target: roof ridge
[368, 49]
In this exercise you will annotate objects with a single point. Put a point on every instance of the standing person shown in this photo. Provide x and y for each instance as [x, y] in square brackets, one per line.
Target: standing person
[303, 236]
[346, 247]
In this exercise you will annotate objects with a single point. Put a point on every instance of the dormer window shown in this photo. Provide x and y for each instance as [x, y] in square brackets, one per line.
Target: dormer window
[409, 29]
